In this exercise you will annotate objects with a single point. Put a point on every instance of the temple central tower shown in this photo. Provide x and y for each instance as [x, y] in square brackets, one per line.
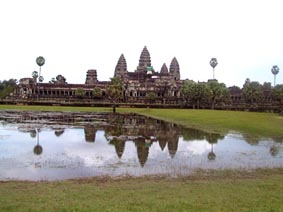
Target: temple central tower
[144, 62]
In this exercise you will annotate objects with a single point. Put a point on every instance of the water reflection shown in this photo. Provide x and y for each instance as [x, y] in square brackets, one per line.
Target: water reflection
[37, 150]
[79, 145]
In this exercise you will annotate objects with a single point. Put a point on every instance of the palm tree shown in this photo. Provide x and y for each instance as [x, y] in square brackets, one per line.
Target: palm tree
[275, 71]
[114, 91]
[217, 92]
[213, 62]
[35, 75]
[252, 92]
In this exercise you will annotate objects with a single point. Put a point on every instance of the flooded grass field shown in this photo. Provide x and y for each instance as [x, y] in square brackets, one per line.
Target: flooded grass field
[65, 145]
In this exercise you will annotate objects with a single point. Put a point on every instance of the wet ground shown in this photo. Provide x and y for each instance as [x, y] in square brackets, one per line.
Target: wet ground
[64, 145]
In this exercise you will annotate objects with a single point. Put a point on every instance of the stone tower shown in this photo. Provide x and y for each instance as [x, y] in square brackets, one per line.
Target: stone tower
[145, 61]
[121, 68]
[175, 69]
[91, 77]
[164, 70]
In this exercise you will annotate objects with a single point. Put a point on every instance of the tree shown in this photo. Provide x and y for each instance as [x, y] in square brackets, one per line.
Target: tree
[7, 87]
[97, 92]
[187, 90]
[79, 92]
[35, 76]
[213, 62]
[151, 96]
[52, 81]
[277, 94]
[252, 92]
[114, 91]
[217, 92]
[196, 92]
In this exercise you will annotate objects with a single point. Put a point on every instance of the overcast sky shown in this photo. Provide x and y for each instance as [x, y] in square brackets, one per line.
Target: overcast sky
[246, 37]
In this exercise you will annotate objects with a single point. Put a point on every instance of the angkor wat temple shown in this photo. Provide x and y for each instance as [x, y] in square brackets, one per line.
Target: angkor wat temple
[165, 84]
[141, 87]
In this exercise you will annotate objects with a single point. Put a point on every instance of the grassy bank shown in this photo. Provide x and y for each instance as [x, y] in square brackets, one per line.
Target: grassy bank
[249, 123]
[221, 191]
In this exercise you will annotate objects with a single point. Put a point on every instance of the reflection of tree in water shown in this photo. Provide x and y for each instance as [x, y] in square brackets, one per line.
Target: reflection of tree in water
[90, 132]
[59, 132]
[142, 150]
[274, 150]
[37, 150]
[190, 134]
[32, 133]
[253, 140]
[212, 138]
[115, 127]
[119, 146]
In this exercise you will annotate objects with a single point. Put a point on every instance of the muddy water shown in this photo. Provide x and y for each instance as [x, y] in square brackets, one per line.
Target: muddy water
[64, 145]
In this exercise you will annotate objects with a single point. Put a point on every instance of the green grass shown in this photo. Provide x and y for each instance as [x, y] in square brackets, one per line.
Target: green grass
[223, 191]
[249, 123]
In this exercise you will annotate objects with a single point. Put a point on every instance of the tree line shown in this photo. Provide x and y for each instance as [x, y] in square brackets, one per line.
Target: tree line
[213, 92]
[7, 87]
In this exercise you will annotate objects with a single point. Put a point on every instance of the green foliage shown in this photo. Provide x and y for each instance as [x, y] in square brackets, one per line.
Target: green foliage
[151, 95]
[217, 92]
[97, 92]
[252, 92]
[277, 93]
[7, 87]
[79, 92]
[114, 89]
[194, 92]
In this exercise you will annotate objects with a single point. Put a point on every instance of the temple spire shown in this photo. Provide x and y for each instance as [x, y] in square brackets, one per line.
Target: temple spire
[144, 61]
[175, 69]
[121, 67]
[164, 69]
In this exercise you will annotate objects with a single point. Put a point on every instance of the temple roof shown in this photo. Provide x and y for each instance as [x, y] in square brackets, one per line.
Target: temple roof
[145, 58]
[175, 69]
[164, 69]
[121, 67]
[174, 66]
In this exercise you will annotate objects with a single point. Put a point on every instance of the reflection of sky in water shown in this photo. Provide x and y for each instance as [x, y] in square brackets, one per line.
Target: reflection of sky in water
[70, 156]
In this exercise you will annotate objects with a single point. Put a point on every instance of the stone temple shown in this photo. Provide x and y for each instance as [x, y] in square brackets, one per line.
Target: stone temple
[142, 86]
[139, 85]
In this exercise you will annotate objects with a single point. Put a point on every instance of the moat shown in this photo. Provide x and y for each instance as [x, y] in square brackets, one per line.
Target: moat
[65, 145]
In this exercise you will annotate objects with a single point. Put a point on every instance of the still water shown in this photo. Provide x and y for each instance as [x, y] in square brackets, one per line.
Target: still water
[53, 146]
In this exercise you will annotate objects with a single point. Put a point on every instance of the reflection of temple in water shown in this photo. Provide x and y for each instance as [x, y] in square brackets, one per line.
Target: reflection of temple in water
[143, 131]
[119, 146]
[90, 133]
[142, 150]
